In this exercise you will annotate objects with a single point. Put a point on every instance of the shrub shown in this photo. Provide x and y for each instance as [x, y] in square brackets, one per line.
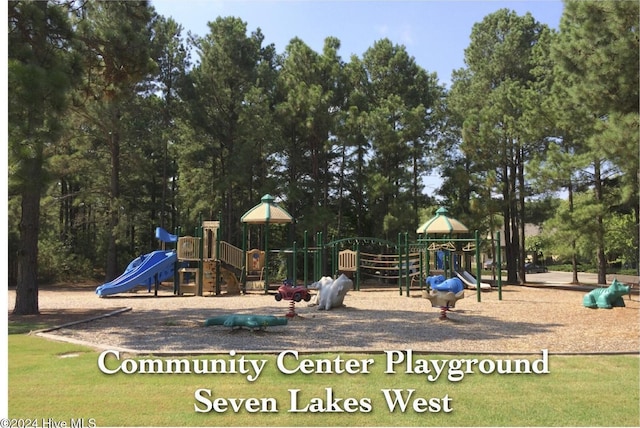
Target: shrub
[57, 263]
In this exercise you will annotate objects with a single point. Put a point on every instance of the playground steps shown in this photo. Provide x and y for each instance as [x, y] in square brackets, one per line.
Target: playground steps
[255, 280]
[188, 289]
[255, 285]
[228, 275]
[189, 280]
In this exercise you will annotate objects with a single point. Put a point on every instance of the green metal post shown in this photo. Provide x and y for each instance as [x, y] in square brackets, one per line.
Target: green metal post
[423, 252]
[478, 270]
[332, 258]
[447, 262]
[217, 259]
[320, 254]
[306, 257]
[427, 259]
[266, 257]
[244, 256]
[407, 267]
[294, 264]
[316, 258]
[176, 267]
[499, 253]
[357, 273]
[200, 234]
[399, 247]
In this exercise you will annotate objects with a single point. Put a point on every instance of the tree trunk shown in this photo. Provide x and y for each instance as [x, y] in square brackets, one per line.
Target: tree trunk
[27, 286]
[574, 252]
[522, 247]
[112, 249]
[510, 226]
[600, 255]
[163, 203]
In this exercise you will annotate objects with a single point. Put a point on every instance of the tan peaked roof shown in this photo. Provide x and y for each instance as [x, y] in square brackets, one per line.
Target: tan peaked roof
[267, 212]
[442, 224]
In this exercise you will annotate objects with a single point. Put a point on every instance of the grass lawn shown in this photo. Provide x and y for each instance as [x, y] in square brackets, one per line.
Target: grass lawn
[62, 382]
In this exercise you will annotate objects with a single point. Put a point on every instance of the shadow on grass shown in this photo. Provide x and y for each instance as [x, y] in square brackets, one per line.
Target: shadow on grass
[22, 324]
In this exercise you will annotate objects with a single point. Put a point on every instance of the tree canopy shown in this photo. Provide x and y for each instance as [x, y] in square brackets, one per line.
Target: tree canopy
[120, 122]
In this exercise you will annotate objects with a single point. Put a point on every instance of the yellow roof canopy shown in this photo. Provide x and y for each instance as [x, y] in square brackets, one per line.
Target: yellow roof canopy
[442, 224]
[266, 212]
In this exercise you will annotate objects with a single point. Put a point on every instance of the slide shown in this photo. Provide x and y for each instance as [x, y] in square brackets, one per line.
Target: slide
[141, 272]
[471, 281]
[165, 236]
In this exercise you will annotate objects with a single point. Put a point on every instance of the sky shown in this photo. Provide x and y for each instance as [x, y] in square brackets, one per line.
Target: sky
[434, 32]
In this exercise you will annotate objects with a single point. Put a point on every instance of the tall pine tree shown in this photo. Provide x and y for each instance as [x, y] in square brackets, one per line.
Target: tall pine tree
[42, 70]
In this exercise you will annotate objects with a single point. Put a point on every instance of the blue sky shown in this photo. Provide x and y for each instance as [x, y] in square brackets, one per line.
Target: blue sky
[435, 32]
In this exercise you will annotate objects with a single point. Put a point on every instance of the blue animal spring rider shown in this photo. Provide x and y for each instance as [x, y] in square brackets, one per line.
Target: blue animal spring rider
[444, 293]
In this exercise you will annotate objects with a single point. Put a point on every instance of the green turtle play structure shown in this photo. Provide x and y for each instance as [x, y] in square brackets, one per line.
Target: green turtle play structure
[606, 298]
[246, 320]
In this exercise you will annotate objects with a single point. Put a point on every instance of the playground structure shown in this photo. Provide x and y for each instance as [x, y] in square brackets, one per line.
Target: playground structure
[199, 264]
[206, 263]
[203, 264]
[471, 281]
[409, 264]
[147, 270]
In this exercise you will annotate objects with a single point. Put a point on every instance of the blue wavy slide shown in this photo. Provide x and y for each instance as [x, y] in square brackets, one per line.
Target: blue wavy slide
[142, 271]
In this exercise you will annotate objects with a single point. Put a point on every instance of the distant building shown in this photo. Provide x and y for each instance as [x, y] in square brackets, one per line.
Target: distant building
[530, 230]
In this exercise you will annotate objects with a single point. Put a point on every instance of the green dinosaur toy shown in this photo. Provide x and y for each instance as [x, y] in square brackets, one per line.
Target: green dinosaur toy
[606, 298]
[245, 320]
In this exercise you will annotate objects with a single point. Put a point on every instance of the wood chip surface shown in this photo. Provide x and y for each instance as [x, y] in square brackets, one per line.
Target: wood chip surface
[525, 321]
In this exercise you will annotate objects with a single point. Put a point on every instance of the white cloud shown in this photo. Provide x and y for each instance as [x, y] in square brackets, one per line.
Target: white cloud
[401, 34]
[382, 30]
[406, 34]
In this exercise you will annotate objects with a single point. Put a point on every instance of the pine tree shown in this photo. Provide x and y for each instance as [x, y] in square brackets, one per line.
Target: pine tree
[598, 50]
[41, 73]
[116, 52]
[495, 93]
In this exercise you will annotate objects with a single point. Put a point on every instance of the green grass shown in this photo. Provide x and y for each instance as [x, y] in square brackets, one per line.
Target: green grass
[16, 327]
[62, 381]
[590, 268]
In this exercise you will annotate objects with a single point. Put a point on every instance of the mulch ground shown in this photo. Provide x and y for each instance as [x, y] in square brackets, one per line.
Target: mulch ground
[526, 320]
[49, 318]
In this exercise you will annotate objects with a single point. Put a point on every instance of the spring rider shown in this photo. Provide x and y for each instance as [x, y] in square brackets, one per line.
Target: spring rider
[294, 293]
[606, 298]
[254, 322]
[331, 292]
[444, 293]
